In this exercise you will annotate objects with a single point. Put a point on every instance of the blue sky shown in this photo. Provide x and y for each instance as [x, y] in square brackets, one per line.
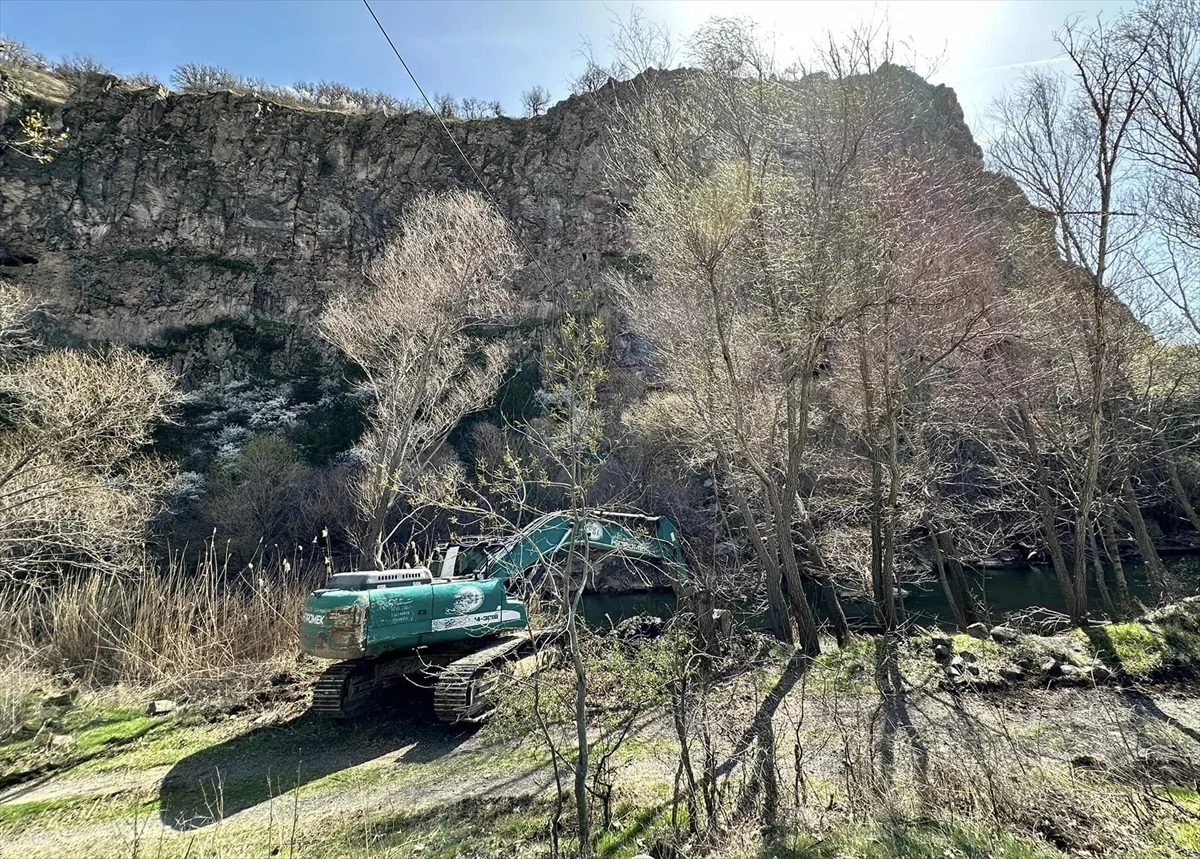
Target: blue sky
[496, 49]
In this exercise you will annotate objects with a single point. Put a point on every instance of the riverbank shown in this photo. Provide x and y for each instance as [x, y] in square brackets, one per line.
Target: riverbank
[1091, 746]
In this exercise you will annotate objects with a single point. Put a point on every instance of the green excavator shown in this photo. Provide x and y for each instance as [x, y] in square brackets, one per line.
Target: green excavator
[456, 622]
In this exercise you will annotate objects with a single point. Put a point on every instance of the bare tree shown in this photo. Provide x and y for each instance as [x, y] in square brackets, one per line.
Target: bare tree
[20, 54]
[414, 331]
[199, 77]
[535, 100]
[556, 457]
[757, 197]
[77, 489]
[1165, 38]
[1067, 141]
[75, 67]
[445, 105]
[258, 498]
[473, 108]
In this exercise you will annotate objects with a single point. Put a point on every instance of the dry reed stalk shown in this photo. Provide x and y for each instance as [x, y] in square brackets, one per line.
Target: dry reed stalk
[165, 627]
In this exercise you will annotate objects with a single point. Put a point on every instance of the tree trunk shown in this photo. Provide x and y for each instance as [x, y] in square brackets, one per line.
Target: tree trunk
[1098, 566]
[781, 620]
[939, 564]
[1155, 571]
[806, 622]
[837, 617]
[581, 739]
[1108, 532]
[781, 623]
[1181, 496]
[882, 585]
[958, 580]
[581, 682]
[1046, 508]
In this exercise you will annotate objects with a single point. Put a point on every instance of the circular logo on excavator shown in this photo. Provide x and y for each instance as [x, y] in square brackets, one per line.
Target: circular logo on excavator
[467, 599]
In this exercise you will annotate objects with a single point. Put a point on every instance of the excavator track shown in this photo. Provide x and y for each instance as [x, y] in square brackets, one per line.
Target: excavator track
[339, 692]
[348, 689]
[462, 689]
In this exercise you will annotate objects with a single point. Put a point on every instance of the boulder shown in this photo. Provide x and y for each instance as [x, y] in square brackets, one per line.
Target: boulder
[62, 699]
[941, 641]
[978, 630]
[953, 672]
[640, 628]
[967, 656]
[1013, 673]
[958, 662]
[941, 653]
[1004, 634]
[161, 707]
[1073, 675]
[1049, 666]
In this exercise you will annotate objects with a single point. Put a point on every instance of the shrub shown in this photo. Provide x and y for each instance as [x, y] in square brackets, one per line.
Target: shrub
[143, 79]
[77, 66]
[76, 489]
[199, 77]
[256, 497]
[19, 54]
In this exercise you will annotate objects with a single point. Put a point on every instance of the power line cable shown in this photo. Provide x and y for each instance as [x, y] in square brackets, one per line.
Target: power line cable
[463, 155]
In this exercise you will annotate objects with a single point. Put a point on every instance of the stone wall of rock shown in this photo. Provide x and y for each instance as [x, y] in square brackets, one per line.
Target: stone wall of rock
[162, 212]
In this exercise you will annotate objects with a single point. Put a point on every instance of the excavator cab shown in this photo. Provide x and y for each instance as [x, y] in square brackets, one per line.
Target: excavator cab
[461, 560]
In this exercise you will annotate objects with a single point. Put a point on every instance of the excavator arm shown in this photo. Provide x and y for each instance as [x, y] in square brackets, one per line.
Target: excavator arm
[625, 534]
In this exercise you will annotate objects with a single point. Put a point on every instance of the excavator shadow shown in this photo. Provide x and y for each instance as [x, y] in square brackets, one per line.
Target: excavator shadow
[271, 763]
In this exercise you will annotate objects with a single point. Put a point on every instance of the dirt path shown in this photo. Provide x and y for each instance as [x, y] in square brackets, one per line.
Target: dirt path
[318, 774]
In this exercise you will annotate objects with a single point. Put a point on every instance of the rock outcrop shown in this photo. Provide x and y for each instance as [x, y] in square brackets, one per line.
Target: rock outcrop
[163, 212]
[210, 228]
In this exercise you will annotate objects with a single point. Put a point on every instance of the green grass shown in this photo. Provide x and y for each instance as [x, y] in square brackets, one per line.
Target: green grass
[1181, 836]
[988, 652]
[494, 828]
[633, 828]
[99, 731]
[1131, 647]
[13, 812]
[1146, 650]
[847, 669]
[909, 840]
[64, 810]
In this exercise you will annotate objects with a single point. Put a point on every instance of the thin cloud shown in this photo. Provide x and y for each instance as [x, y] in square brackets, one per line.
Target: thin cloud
[1058, 58]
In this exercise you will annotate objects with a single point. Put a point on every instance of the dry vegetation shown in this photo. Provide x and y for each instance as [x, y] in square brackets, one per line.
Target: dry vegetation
[864, 371]
[195, 630]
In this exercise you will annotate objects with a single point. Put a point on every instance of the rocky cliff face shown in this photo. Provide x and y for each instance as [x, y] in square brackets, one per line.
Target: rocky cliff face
[162, 212]
[209, 228]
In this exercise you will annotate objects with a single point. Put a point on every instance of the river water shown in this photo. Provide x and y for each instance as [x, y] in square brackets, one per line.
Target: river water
[1000, 589]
